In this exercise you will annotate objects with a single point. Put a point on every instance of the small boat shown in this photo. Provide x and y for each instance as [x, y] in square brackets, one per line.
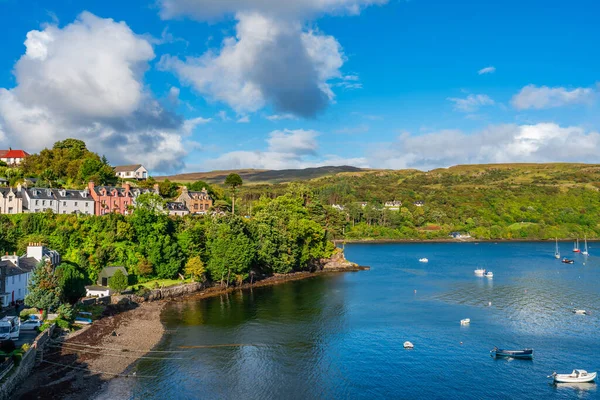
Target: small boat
[576, 246]
[82, 321]
[465, 321]
[408, 345]
[423, 260]
[567, 261]
[556, 252]
[489, 274]
[479, 272]
[580, 312]
[526, 354]
[577, 376]
[585, 249]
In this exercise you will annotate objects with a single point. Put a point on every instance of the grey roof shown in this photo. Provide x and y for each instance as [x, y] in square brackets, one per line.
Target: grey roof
[71, 195]
[121, 191]
[176, 206]
[25, 265]
[40, 193]
[6, 190]
[107, 272]
[126, 168]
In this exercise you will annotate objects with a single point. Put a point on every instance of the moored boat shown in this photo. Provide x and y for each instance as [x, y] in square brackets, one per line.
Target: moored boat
[423, 260]
[525, 354]
[577, 376]
[479, 272]
[556, 252]
[585, 249]
[408, 345]
[576, 246]
[580, 311]
[567, 261]
[489, 274]
[465, 321]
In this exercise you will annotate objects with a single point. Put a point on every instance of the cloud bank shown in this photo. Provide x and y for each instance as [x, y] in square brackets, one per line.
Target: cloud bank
[542, 97]
[86, 81]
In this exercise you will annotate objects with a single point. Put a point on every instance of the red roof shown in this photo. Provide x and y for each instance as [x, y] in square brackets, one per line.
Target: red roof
[13, 154]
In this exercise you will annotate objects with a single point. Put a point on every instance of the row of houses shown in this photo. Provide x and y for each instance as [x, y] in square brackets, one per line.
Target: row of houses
[95, 200]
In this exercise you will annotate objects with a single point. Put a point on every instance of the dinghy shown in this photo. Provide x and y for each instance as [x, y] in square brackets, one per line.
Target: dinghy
[580, 312]
[465, 321]
[408, 345]
[577, 376]
[489, 274]
[567, 261]
[526, 354]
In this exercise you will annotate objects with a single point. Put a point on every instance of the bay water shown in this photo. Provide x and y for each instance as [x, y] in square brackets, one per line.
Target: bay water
[340, 336]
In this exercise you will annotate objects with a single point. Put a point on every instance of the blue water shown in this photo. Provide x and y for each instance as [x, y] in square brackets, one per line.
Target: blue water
[341, 336]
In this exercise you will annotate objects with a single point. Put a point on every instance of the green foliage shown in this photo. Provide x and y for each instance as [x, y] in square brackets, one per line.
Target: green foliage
[66, 312]
[68, 162]
[195, 269]
[168, 189]
[25, 313]
[118, 282]
[44, 288]
[72, 282]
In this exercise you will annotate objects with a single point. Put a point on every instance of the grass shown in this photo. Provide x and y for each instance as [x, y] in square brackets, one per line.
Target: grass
[161, 283]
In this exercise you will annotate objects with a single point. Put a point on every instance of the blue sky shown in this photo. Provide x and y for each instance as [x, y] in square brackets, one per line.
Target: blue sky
[191, 85]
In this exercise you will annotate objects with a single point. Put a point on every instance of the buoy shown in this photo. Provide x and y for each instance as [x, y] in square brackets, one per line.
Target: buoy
[490, 304]
[415, 291]
[460, 342]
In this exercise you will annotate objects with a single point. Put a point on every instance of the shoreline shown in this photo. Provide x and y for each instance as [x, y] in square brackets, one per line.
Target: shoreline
[92, 363]
[419, 241]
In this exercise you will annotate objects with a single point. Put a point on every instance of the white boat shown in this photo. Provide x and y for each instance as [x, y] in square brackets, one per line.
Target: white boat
[580, 312]
[424, 260]
[585, 250]
[577, 376]
[408, 345]
[489, 274]
[556, 252]
[479, 272]
[465, 321]
[576, 246]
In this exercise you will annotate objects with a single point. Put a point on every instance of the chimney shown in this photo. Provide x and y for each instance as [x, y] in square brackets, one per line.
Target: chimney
[91, 186]
[19, 188]
[127, 188]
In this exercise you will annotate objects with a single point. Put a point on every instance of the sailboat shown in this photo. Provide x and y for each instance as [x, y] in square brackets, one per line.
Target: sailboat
[556, 252]
[576, 246]
[585, 250]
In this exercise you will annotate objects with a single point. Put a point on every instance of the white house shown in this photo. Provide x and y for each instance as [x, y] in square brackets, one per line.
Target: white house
[136, 171]
[16, 271]
[97, 291]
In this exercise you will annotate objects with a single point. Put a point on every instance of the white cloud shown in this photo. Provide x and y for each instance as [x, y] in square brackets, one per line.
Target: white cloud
[85, 80]
[280, 117]
[204, 10]
[286, 149]
[543, 142]
[534, 97]
[487, 70]
[243, 120]
[173, 96]
[270, 61]
[223, 115]
[471, 103]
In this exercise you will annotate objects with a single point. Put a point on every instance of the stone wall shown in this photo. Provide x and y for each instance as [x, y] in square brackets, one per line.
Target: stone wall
[23, 370]
[159, 294]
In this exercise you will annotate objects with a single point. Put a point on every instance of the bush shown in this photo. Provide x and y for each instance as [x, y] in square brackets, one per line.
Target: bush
[61, 323]
[142, 291]
[27, 312]
[25, 347]
[118, 282]
[65, 312]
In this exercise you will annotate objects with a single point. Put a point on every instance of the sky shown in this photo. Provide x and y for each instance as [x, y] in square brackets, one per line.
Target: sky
[199, 85]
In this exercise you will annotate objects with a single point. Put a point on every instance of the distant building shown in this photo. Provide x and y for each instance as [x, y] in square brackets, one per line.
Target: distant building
[419, 203]
[393, 205]
[37, 200]
[196, 202]
[74, 201]
[136, 171]
[11, 200]
[177, 208]
[363, 204]
[111, 199]
[107, 273]
[338, 207]
[460, 236]
[97, 291]
[15, 271]
[13, 157]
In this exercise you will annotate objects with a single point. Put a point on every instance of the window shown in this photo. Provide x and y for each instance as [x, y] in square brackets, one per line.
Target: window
[50, 202]
[19, 288]
[75, 204]
[43, 202]
[86, 204]
[37, 202]
[19, 278]
[9, 198]
[64, 203]
[13, 279]
[10, 210]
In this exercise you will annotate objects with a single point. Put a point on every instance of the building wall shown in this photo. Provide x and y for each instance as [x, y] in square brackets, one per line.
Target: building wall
[17, 285]
[11, 204]
[109, 203]
[196, 202]
[77, 206]
[39, 205]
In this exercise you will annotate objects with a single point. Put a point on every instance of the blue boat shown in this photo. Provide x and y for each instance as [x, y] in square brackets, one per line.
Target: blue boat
[526, 354]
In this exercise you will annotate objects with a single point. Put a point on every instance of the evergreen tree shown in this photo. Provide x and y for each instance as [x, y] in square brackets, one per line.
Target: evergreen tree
[44, 290]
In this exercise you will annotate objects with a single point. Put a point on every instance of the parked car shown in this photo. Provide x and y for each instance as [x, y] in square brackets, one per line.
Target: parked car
[31, 324]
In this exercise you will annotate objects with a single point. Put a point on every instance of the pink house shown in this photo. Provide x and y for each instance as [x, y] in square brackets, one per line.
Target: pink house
[110, 199]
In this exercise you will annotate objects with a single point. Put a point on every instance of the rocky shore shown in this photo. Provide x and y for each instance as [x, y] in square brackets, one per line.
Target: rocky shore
[81, 365]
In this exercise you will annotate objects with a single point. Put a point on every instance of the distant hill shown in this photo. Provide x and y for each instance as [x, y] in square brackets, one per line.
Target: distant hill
[261, 176]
